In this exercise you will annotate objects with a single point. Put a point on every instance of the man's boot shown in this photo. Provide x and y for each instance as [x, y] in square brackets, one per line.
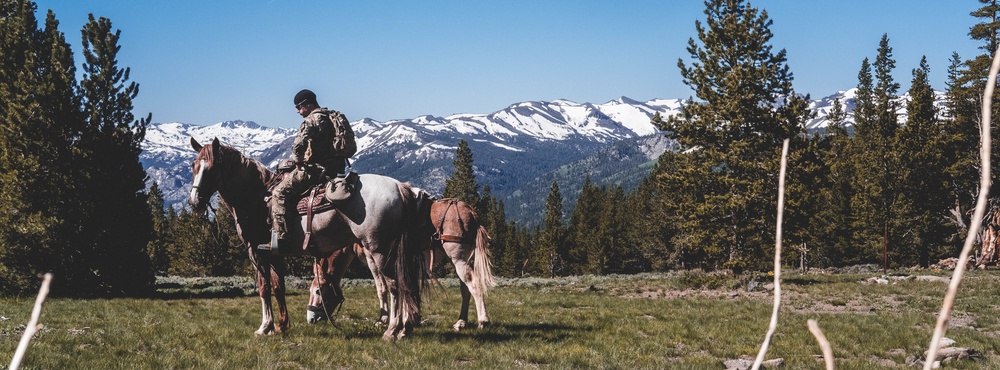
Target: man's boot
[279, 231]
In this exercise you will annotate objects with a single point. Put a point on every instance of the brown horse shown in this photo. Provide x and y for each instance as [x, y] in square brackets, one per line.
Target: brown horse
[382, 216]
[465, 241]
[459, 235]
[325, 293]
[241, 182]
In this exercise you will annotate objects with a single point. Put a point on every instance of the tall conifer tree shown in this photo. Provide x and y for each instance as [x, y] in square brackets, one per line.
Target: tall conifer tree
[118, 221]
[961, 125]
[877, 167]
[732, 135]
[462, 183]
[925, 194]
[156, 248]
[833, 218]
[551, 254]
[40, 120]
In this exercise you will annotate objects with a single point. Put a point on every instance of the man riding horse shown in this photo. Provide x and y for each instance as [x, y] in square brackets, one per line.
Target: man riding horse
[322, 146]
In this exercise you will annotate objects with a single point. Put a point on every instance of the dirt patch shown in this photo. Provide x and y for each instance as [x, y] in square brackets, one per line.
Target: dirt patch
[793, 301]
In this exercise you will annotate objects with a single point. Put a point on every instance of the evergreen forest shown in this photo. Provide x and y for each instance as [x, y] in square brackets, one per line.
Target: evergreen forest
[884, 190]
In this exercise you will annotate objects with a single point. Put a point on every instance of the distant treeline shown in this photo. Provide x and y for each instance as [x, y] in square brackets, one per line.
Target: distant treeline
[885, 191]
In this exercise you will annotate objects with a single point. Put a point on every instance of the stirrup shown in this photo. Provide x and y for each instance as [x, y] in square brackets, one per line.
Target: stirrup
[275, 242]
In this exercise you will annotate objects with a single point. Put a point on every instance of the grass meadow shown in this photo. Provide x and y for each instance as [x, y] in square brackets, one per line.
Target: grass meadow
[684, 320]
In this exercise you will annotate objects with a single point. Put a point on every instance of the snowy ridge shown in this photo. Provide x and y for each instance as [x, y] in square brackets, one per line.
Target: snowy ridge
[512, 146]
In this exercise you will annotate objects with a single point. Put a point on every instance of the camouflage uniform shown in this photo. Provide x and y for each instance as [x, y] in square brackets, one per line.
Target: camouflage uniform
[313, 152]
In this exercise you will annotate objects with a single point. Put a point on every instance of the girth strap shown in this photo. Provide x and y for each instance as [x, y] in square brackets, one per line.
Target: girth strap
[309, 218]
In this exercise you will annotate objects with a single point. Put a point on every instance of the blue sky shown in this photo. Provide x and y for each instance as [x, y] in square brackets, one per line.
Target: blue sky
[203, 62]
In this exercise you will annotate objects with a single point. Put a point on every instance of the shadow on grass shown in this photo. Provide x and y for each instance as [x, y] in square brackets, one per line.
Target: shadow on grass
[551, 333]
[495, 333]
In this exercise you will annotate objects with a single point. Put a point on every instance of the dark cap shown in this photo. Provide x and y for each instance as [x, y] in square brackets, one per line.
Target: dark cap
[304, 96]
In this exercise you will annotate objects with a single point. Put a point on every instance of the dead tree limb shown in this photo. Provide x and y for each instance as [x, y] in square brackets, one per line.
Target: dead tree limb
[977, 217]
[777, 260]
[33, 325]
[824, 344]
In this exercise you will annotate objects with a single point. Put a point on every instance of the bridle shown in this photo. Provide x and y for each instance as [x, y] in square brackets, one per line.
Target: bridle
[197, 183]
[319, 292]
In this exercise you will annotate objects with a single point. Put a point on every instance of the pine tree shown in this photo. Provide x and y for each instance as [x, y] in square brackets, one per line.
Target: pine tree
[551, 254]
[462, 183]
[512, 256]
[117, 224]
[189, 233]
[227, 253]
[652, 225]
[925, 195]
[806, 186]
[619, 253]
[583, 237]
[156, 248]
[732, 135]
[961, 125]
[877, 167]
[833, 218]
[39, 120]
[494, 219]
[965, 94]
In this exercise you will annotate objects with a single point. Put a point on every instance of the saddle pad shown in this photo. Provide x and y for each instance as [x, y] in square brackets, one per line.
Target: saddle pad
[320, 204]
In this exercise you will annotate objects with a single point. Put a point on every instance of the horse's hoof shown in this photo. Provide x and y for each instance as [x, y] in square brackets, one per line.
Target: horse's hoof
[459, 325]
[483, 324]
[388, 338]
[384, 319]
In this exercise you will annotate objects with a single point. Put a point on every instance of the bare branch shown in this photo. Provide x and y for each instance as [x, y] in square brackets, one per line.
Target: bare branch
[777, 259]
[977, 217]
[33, 325]
[823, 343]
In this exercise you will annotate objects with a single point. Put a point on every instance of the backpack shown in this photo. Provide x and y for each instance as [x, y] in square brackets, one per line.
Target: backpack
[343, 136]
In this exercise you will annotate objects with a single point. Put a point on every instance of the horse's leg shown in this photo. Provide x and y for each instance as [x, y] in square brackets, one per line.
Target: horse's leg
[459, 258]
[394, 326]
[463, 313]
[278, 286]
[262, 267]
[380, 289]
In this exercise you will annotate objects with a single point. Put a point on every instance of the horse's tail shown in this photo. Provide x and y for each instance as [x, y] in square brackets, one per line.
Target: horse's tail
[411, 275]
[482, 263]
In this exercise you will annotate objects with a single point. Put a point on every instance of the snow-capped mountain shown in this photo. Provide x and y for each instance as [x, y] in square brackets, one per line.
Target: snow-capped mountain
[518, 151]
[509, 146]
[823, 106]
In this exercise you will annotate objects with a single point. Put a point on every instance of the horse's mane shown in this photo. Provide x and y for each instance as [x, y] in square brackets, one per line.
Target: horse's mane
[245, 191]
[236, 160]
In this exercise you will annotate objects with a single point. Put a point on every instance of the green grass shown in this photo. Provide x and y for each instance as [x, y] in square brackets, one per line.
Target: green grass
[647, 321]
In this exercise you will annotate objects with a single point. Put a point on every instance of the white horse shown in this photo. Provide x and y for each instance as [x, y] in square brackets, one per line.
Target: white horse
[458, 235]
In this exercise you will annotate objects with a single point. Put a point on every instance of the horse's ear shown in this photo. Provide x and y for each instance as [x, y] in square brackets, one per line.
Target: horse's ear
[215, 145]
[195, 145]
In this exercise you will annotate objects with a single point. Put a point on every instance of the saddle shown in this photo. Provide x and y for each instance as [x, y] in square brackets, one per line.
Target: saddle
[328, 194]
[448, 204]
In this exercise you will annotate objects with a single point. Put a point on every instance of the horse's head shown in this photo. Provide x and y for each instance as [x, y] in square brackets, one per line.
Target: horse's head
[325, 294]
[206, 175]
